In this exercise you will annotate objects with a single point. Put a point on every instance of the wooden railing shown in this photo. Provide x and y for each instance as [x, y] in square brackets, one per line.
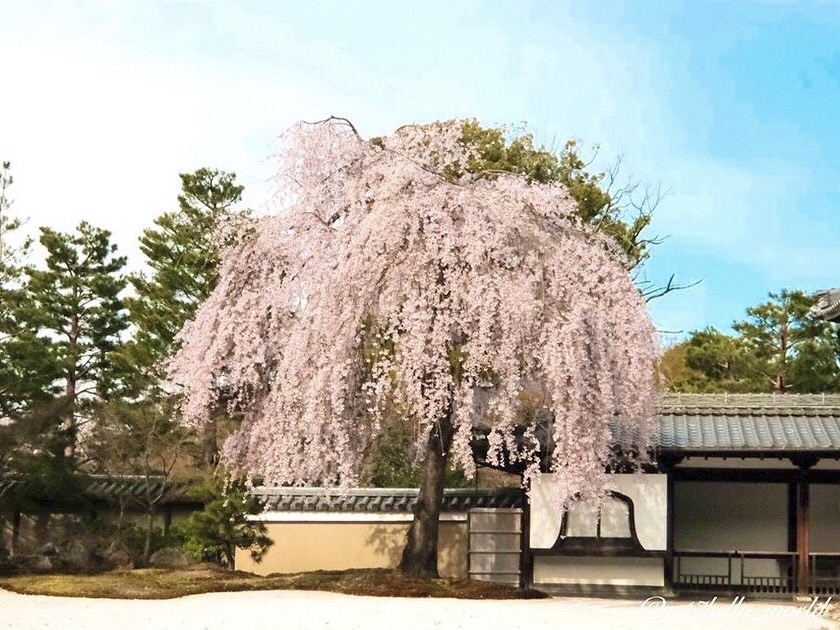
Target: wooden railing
[767, 572]
[824, 573]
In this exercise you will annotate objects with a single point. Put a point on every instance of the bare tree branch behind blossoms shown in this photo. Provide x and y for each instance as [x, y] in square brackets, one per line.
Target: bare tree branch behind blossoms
[398, 279]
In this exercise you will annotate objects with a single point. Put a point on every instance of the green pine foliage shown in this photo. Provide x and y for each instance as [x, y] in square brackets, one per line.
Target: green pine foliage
[181, 253]
[779, 347]
[27, 369]
[20, 383]
[74, 314]
[214, 533]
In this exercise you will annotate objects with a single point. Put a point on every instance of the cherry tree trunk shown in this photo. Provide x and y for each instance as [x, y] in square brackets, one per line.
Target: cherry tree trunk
[210, 444]
[419, 557]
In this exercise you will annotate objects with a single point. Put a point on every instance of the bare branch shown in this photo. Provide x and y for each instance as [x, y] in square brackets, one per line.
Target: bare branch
[340, 119]
[657, 292]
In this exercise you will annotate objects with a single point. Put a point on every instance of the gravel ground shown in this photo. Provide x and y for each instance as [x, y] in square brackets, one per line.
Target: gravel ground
[298, 609]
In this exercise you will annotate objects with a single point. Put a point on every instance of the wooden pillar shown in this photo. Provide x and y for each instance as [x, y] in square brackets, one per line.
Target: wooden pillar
[667, 464]
[803, 527]
[669, 530]
[803, 547]
[792, 530]
[792, 488]
[526, 558]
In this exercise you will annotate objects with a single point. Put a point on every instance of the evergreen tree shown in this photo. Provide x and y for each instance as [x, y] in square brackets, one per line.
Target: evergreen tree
[797, 349]
[722, 363]
[183, 257]
[779, 347]
[24, 381]
[26, 372]
[12, 255]
[182, 254]
[18, 371]
[74, 304]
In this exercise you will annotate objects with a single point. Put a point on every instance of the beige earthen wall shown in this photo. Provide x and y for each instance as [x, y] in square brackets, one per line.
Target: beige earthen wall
[301, 546]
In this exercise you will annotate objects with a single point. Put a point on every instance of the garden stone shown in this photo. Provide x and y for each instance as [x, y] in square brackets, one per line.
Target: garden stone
[37, 563]
[77, 555]
[170, 558]
[118, 556]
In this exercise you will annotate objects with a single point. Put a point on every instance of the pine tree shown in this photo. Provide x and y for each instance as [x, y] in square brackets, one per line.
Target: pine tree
[74, 304]
[24, 378]
[182, 254]
[16, 382]
[183, 258]
[623, 212]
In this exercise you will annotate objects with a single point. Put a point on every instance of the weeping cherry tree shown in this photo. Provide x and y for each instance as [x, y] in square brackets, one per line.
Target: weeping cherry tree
[397, 278]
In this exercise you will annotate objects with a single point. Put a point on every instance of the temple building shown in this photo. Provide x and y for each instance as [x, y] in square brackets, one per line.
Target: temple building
[827, 306]
[743, 497]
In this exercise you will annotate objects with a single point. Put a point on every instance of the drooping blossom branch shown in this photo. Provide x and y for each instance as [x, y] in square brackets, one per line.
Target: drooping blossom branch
[396, 278]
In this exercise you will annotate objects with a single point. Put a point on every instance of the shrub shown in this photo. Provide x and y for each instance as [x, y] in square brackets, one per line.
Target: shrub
[214, 533]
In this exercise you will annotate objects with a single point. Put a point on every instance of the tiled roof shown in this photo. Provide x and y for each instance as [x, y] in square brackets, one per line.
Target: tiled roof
[107, 488]
[749, 422]
[400, 500]
[828, 305]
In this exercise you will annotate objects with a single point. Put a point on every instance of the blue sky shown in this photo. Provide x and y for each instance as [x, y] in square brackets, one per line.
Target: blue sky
[732, 107]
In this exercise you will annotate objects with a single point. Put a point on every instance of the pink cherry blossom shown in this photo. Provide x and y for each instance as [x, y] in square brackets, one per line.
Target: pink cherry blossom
[470, 292]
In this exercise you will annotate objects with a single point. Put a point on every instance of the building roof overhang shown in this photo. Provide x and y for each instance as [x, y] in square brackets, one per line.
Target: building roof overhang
[827, 306]
[764, 426]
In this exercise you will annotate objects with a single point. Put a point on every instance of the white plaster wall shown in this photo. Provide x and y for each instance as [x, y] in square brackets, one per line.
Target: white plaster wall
[649, 496]
[827, 464]
[725, 516]
[545, 518]
[582, 520]
[825, 517]
[615, 519]
[650, 500]
[599, 571]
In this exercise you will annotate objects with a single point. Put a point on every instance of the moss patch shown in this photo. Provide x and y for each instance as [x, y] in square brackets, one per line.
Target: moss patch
[169, 583]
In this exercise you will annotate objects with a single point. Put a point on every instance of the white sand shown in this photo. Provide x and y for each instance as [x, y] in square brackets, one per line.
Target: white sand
[295, 609]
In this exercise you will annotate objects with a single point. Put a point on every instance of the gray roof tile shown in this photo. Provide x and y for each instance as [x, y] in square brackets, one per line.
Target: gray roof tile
[109, 488]
[791, 422]
[748, 432]
[394, 500]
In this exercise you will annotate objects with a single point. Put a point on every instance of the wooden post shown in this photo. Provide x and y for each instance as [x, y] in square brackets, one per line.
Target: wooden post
[803, 548]
[803, 527]
[792, 489]
[669, 530]
[792, 531]
[667, 465]
[526, 562]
